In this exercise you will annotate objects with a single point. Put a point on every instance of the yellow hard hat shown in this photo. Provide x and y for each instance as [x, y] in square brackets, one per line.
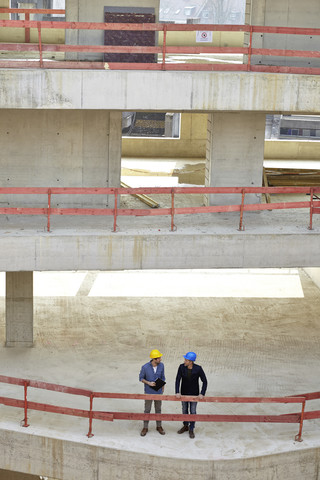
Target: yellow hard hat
[155, 354]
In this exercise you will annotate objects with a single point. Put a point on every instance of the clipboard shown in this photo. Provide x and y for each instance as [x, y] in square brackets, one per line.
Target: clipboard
[158, 384]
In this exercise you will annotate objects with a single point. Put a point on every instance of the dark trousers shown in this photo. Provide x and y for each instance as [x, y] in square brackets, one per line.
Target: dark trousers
[189, 407]
[147, 409]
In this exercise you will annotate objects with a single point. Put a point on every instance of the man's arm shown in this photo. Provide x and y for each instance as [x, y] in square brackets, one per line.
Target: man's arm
[142, 378]
[178, 380]
[204, 382]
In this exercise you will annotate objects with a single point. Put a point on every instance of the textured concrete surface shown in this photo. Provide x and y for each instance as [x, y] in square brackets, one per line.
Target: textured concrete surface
[270, 239]
[167, 91]
[263, 346]
[235, 159]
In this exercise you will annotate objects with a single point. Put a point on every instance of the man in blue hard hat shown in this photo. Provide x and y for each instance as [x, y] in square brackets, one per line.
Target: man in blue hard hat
[188, 375]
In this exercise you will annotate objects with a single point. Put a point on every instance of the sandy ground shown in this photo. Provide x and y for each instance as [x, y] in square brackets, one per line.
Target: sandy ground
[90, 335]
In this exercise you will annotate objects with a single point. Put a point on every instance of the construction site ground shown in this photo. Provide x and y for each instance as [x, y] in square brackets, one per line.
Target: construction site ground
[256, 333]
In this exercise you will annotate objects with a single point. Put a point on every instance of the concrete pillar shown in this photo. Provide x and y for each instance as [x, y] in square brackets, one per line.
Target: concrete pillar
[63, 148]
[235, 151]
[19, 309]
[314, 274]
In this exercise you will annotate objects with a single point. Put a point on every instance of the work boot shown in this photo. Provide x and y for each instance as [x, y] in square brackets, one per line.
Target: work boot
[191, 433]
[161, 431]
[144, 432]
[183, 429]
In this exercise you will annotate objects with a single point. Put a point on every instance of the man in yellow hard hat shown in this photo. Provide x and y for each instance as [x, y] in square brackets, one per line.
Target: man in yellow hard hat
[152, 375]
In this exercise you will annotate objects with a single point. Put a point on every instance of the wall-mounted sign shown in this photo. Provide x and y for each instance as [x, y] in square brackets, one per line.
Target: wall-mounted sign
[204, 36]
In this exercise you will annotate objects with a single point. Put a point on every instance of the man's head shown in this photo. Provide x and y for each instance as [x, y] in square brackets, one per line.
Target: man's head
[155, 356]
[189, 358]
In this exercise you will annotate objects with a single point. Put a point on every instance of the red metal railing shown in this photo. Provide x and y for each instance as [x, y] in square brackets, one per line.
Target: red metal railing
[164, 49]
[313, 205]
[27, 12]
[110, 416]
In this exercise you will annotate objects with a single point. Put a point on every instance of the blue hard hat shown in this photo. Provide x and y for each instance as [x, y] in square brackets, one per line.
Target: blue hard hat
[190, 356]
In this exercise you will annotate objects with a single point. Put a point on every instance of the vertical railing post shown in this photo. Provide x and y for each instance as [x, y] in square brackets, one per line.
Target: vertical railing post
[90, 434]
[164, 44]
[298, 437]
[25, 404]
[173, 227]
[27, 29]
[40, 44]
[49, 210]
[241, 227]
[250, 49]
[115, 210]
[311, 208]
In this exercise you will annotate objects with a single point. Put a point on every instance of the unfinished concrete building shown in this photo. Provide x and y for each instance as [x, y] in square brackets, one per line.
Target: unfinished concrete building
[61, 128]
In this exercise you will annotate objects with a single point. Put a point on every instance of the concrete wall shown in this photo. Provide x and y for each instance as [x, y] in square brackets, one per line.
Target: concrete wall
[192, 141]
[287, 13]
[79, 461]
[4, 4]
[193, 138]
[43, 148]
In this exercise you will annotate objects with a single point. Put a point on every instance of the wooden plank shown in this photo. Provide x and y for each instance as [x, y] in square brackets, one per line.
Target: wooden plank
[265, 184]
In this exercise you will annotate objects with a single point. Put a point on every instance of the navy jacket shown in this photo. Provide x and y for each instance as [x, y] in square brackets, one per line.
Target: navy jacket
[190, 385]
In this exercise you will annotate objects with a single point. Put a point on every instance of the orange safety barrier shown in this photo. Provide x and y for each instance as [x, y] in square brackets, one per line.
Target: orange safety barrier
[313, 204]
[110, 416]
[164, 49]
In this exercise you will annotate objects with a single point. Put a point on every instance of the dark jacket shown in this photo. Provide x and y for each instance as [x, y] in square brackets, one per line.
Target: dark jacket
[190, 385]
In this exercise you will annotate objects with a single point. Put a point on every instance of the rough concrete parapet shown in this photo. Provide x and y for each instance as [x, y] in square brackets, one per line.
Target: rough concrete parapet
[66, 460]
[166, 91]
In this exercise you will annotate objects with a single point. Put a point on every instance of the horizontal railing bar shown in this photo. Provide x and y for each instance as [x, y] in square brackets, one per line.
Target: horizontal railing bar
[167, 417]
[34, 47]
[311, 415]
[45, 386]
[140, 396]
[285, 53]
[145, 190]
[285, 30]
[43, 407]
[22, 211]
[190, 398]
[153, 26]
[82, 211]
[121, 26]
[110, 416]
[32, 11]
[51, 64]
[309, 396]
[154, 212]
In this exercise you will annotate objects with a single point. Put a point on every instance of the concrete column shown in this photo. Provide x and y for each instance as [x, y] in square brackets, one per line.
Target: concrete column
[235, 151]
[19, 309]
[78, 148]
[314, 274]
